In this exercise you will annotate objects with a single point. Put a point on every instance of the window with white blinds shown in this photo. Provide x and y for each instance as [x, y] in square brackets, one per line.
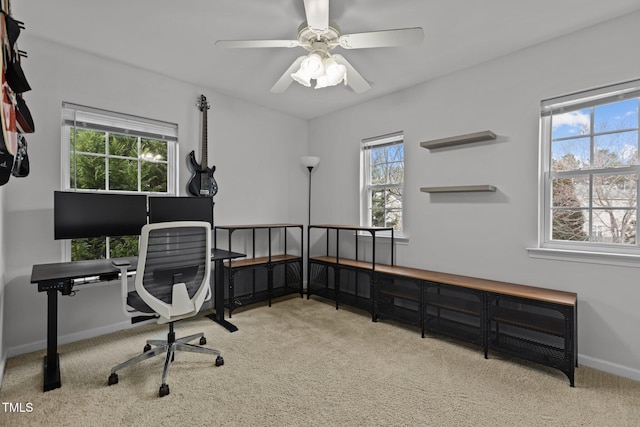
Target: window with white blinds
[109, 151]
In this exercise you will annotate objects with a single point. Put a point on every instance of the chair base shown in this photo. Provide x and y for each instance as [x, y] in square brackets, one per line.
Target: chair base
[168, 347]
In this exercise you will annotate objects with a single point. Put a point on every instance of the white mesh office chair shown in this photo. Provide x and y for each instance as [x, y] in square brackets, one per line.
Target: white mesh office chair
[171, 282]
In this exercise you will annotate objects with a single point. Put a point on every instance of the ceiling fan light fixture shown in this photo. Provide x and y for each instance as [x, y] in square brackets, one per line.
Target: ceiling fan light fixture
[322, 81]
[302, 77]
[318, 35]
[329, 80]
[334, 71]
[312, 64]
[310, 68]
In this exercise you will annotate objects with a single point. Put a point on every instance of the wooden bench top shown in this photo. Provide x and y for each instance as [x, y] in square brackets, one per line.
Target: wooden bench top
[351, 227]
[512, 289]
[246, 262]
[344, 261]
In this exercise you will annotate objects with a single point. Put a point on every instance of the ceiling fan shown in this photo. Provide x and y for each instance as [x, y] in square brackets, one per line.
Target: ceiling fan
[318, 35]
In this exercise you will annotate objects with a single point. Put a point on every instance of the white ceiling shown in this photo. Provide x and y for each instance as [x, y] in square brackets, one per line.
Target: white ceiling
[176, 38]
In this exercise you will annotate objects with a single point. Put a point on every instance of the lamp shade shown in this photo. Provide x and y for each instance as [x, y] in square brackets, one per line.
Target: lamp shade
[312, 64]
[310, 68]
[302, 77]
[334, 73]
[310, 161]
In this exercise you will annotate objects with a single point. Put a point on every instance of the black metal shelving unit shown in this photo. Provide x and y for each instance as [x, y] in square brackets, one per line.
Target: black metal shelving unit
[276, 274]
[534, 330]
[345, 280]
[453, 311]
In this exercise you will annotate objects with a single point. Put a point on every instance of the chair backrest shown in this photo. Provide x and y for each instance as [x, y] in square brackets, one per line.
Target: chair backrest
[174, 265]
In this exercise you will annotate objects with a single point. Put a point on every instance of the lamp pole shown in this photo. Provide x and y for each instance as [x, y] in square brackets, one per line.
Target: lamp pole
[309, 219]
[310, 162]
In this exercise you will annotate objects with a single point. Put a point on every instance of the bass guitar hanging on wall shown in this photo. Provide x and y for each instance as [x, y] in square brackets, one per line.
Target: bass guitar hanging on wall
[202, 182]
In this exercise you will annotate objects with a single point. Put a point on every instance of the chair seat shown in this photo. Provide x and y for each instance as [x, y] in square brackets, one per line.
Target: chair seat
[134, 301]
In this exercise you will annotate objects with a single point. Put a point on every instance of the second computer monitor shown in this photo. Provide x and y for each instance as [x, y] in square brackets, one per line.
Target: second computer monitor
[165, 209]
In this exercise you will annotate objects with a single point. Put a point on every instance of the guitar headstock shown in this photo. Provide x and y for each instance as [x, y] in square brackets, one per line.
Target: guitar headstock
[202, 103]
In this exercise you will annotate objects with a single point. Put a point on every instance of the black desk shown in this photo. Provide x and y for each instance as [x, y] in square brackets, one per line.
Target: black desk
[59, 277]
[218, 256]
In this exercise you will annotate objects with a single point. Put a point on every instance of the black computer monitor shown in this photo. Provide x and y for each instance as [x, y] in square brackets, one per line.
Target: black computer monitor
[165, 209]
[79, 215]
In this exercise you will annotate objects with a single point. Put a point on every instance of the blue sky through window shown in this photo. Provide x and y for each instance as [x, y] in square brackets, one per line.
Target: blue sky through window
[615, 127]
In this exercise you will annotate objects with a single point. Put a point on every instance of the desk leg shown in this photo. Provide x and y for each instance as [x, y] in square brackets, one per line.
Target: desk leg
[51, 360]
[218, 292]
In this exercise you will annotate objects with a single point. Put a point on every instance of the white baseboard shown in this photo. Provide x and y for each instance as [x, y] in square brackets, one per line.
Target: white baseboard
[65, 339]
[612, 368]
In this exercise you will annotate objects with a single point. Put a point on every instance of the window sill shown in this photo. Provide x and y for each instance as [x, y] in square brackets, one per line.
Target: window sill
[623, 260]
[402, 239]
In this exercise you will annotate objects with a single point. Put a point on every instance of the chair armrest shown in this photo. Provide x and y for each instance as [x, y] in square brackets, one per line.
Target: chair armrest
[123, 265]
[120, 263]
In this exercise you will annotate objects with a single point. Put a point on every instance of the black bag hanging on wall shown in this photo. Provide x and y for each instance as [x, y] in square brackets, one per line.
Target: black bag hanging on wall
[13, 29]
[6, 165]
[15, 76]
[13, 72]
[14, 159]
[23, 115]
[21, 162]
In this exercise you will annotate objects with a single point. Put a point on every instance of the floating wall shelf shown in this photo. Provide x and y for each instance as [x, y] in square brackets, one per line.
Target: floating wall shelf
[486, 135]
[458, 189]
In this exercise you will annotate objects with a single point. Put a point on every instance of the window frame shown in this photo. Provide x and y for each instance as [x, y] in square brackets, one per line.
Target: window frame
[589, 251]
[109, 122]
[367, 144]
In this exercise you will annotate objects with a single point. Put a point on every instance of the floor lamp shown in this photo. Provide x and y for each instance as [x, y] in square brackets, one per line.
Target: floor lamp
[310, 162]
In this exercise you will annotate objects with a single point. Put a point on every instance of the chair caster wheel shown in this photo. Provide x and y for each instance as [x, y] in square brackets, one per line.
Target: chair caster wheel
[146, 348]
[203, 341]
[113, 379]
[164, 390]
[219, 361]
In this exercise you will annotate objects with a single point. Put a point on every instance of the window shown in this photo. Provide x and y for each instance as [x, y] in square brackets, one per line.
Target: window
[590, 170]
[383, 181]
[111, 152]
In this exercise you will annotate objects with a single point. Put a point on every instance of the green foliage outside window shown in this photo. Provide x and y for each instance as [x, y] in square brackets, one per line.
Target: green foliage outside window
[114, 162]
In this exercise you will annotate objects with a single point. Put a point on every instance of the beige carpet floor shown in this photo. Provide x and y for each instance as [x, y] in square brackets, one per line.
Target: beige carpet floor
[300, 363]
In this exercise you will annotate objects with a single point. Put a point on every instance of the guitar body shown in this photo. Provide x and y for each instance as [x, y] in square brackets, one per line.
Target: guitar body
[202, 183]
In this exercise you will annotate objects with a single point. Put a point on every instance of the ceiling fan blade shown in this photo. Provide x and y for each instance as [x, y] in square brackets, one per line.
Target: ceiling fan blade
[317, 12]
[353, 79]
[285, 80]
[385, 38]
[257, 43]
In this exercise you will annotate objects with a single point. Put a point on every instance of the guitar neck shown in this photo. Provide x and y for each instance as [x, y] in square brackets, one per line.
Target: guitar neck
[205, 161]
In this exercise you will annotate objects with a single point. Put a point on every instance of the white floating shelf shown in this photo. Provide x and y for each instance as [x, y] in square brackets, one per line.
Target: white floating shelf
[459, 189]
[486, 135]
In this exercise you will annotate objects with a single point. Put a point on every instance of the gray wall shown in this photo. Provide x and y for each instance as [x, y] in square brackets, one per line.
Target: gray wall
[486, 234]
[256, 151]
